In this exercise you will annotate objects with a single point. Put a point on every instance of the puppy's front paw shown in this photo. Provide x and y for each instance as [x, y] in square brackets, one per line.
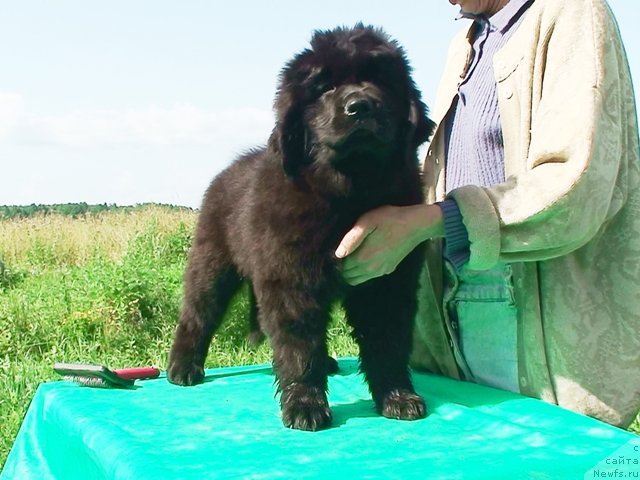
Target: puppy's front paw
[185, 373]
[403, 405]
[306, 411]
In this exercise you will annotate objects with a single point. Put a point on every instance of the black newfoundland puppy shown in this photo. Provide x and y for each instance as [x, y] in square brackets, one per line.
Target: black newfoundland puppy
[349, 120]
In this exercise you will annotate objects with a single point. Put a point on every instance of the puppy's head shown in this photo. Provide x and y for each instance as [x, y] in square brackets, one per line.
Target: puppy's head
[347, 106]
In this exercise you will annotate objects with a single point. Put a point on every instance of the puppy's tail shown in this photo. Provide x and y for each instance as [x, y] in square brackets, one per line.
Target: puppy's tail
[256, 336]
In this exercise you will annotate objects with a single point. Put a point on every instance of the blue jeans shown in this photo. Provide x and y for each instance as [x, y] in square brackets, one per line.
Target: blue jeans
[482, 319]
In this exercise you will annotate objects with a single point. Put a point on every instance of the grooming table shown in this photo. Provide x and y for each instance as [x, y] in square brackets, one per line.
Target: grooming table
[230, 427]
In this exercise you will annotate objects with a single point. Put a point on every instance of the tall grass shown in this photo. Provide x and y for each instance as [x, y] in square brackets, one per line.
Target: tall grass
[101, 289]
[47, 241]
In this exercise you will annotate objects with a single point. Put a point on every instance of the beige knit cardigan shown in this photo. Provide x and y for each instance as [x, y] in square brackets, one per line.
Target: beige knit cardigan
[567, 217]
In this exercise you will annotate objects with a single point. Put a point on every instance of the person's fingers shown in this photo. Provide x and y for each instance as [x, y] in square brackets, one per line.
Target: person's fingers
[352, 267]
[355, 271]
[357, 278]
[351, 264]
[360, 274]
[352, 239]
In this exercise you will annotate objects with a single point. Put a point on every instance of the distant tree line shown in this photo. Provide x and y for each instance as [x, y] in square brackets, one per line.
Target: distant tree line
[70, 209]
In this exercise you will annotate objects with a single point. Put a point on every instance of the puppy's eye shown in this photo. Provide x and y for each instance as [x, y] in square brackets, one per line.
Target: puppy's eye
[322, 82]
[324, 87]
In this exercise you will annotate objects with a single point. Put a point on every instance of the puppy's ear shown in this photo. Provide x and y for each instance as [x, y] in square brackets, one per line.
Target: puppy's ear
[421, 126]
[292, 140]
[290, 135]
[288, 139]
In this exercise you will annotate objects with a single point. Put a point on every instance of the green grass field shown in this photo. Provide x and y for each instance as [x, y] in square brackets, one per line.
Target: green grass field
[104, 289]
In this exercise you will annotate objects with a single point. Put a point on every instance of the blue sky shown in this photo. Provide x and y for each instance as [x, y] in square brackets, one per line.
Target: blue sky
[145, 101]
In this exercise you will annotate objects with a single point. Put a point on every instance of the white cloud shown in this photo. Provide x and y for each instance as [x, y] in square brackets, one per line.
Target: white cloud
[11, 110]
[180, 124]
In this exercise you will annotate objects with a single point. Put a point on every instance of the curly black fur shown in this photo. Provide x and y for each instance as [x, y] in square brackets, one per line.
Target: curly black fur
[349, 120]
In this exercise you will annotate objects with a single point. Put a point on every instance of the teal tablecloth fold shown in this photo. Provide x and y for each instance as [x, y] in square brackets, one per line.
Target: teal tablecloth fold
[229, 427]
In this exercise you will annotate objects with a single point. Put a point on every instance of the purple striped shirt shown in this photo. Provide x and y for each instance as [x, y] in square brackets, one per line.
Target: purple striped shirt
[473, 133]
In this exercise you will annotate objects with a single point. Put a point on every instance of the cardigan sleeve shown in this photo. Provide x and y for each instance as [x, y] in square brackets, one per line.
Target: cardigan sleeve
[579, 82]
[455, 234]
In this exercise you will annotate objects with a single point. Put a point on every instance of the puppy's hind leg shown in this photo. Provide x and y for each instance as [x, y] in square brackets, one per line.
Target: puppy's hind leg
[210, 282]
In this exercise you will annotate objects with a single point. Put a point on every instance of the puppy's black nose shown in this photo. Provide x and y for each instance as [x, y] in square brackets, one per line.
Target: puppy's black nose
[359, 107]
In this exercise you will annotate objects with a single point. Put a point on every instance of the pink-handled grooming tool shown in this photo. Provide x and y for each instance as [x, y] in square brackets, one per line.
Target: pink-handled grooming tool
[101, 376]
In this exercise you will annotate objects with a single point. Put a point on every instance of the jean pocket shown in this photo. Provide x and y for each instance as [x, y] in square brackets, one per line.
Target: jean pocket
[487, 337]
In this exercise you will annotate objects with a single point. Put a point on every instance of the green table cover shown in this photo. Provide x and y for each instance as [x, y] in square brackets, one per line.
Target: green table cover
[229, 427]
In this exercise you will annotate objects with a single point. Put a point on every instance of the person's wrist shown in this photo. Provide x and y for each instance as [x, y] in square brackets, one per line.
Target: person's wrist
[428, 220]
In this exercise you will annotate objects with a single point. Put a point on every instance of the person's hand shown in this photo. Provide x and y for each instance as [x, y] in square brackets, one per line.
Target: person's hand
[381, 239]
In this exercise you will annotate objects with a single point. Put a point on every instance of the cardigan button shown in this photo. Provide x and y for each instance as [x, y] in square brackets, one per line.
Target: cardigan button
[508, 94]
